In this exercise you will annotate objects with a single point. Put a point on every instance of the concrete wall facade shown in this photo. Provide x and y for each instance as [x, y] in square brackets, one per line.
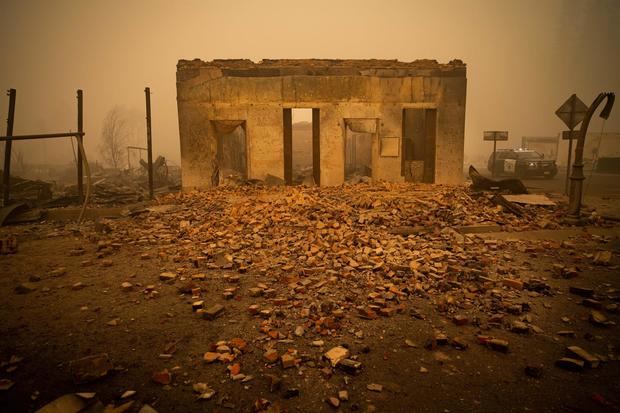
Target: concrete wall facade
[257, 93]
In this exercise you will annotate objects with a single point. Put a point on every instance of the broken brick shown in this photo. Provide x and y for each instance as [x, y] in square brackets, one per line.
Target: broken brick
[213, 312]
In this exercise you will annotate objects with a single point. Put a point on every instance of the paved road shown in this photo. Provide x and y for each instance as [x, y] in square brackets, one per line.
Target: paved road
[601, 191]
[596, 184]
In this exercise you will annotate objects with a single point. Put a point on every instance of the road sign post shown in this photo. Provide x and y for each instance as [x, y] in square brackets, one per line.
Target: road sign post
[495, 136]
[577, 177]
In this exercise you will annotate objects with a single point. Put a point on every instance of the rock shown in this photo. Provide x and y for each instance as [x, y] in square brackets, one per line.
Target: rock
[255, 292]
[459, 343]
[590, 303]
[460, 320]
[6, 384]
[253, 309]
[333, 402]
[336, 355]
[77, 286]
[602, 258]
[375, 387]
[210, 356]
[162, 377]
[581, 291]
[343, 395]
[223, 260]
[127, 286]
[578, 352]
[288, 361]
[494, 343]
[147, 409]
[423, 370]
[271, 356]
[25, 288]
[213, 312]
[58, 272]
[91, 368]
[570, 364]
[410, 343]
[513, 283]
[127, 394]
[167, 277]
[499, 345]
[203, 390]
[199, 277]
[598, 319]
[69, 403]
[519, 327]
[234, 369]
[350, 366]
[299, 331]
[239, 344]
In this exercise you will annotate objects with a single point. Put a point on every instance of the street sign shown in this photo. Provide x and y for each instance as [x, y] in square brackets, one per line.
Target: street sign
[570, 134]
[572, 111]
[495, 135]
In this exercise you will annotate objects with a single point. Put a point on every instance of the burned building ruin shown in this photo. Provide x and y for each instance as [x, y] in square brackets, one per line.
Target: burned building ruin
[394, 121]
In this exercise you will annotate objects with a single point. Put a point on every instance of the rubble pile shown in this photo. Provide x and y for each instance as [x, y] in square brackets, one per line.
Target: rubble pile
[316, 269]
[348, 229]
[314, 259]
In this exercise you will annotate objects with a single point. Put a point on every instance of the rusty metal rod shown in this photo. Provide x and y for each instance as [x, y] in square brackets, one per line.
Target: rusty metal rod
[149, 143]
[7, 147]
[41, 136]
[80, 139]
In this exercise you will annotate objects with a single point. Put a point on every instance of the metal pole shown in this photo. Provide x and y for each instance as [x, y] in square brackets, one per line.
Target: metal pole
[149, 144]
[577, 177]
[7, 147]
[40, 136]
[570, 156]
[80, 126]
[494, 151]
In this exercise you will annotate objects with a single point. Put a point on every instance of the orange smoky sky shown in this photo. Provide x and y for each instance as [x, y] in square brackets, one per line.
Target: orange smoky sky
[524, 58]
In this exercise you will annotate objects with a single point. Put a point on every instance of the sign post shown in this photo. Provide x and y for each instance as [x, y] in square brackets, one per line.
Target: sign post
[495, 136]
[572, 113]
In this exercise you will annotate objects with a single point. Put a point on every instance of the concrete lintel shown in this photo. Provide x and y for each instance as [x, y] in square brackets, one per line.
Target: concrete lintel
[419, 105]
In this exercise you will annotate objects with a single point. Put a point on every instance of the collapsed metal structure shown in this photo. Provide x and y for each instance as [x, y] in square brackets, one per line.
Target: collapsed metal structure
[79, 135]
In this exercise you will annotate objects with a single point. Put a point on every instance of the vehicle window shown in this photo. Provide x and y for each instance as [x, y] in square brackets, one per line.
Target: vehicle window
[529, 155]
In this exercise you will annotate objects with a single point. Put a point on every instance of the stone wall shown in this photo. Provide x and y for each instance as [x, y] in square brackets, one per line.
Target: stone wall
[341, 89]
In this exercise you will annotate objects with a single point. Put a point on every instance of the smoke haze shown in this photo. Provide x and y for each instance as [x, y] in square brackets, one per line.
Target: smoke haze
[524, 57]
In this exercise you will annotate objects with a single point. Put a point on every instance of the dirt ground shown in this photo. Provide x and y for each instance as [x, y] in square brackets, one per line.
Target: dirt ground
[59, 321]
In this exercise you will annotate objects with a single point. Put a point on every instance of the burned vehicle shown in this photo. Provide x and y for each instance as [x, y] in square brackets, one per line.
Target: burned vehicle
[522, 163]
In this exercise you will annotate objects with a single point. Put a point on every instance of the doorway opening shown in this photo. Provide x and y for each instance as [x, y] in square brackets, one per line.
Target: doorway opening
[359, 135]
[302, 146]
[418, 145]
[230, 165]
